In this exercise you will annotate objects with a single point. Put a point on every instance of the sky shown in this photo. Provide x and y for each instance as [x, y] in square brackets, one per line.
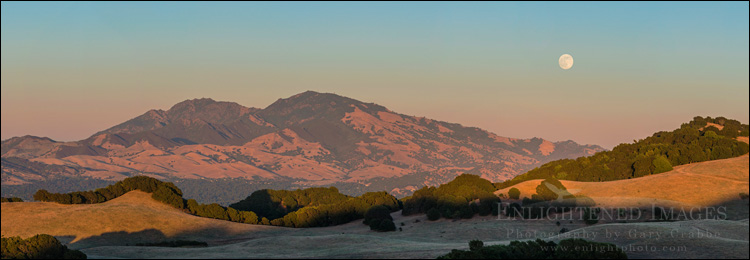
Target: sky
[71, 69]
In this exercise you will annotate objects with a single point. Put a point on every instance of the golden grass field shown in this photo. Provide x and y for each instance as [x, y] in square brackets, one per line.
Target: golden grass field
[692, 185]
[130, 218]
[104, 230]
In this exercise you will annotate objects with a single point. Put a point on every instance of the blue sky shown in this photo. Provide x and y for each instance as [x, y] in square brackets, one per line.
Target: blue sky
[71, 69]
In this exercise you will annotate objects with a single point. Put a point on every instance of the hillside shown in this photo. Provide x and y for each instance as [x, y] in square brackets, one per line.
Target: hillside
[309, 139]
[693, 185]
[702, 139]
[132, 218]
[102, 230]
[422, 239]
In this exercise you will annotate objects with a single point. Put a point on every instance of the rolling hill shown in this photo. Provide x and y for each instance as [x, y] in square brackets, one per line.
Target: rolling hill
[105, 230]
[132, 218]
[700, 184]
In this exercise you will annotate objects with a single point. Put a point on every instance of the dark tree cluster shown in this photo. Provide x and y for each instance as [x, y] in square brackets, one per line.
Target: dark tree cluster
[41, 246]
[13, 199]
[340, 213]
[462, 197]
[273, 204]
[379, 219]
[313, 207]
[165, 192]
[692, 142]
[574, 248]
[162, 191]
[53, 184]
[514, 193]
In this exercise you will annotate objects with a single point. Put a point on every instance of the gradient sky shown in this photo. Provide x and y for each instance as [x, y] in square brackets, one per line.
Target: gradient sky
[72, 69]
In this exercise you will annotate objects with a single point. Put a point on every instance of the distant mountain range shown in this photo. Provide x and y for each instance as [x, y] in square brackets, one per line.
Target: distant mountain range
[309, 139]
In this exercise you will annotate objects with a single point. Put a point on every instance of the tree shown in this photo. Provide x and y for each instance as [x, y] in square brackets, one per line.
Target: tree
[642, 166]
[433, 214]
[382, 225]
[12, 199]
[475, 245]
[550, 189]
[42, 195]
[386, 225]
[514, 193]
[375, 223]
[377, 212]
[710, 133]
[661, 164]
[234, 215]
[249, 217]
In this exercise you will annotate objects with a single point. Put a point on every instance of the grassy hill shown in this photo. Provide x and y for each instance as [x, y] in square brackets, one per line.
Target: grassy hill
[129, 219]
[103, 230]
[692, 185]
[702, 139]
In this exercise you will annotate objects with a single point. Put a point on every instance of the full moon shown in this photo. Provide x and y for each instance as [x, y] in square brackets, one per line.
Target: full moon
[566, 61]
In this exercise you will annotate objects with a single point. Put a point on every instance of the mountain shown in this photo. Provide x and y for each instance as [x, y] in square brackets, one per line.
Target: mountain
[309, 139]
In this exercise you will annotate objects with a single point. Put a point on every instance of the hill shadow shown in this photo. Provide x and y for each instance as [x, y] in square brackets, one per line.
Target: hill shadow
[119, 238]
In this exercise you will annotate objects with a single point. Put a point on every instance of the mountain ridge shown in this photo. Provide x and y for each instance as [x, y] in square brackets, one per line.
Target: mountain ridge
[310, 138]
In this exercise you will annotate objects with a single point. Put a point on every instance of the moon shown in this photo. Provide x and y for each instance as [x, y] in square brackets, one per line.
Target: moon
[566, 61]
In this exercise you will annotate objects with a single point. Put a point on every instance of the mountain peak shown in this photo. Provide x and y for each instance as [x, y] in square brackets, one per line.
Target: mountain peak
[208, 110]
[314, 105]
[196, 102]
[313, 97]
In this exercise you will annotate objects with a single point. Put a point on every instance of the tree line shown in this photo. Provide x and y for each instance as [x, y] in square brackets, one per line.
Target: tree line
[692, 142]
[313, 207]
[463, 197]
[12, 199]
